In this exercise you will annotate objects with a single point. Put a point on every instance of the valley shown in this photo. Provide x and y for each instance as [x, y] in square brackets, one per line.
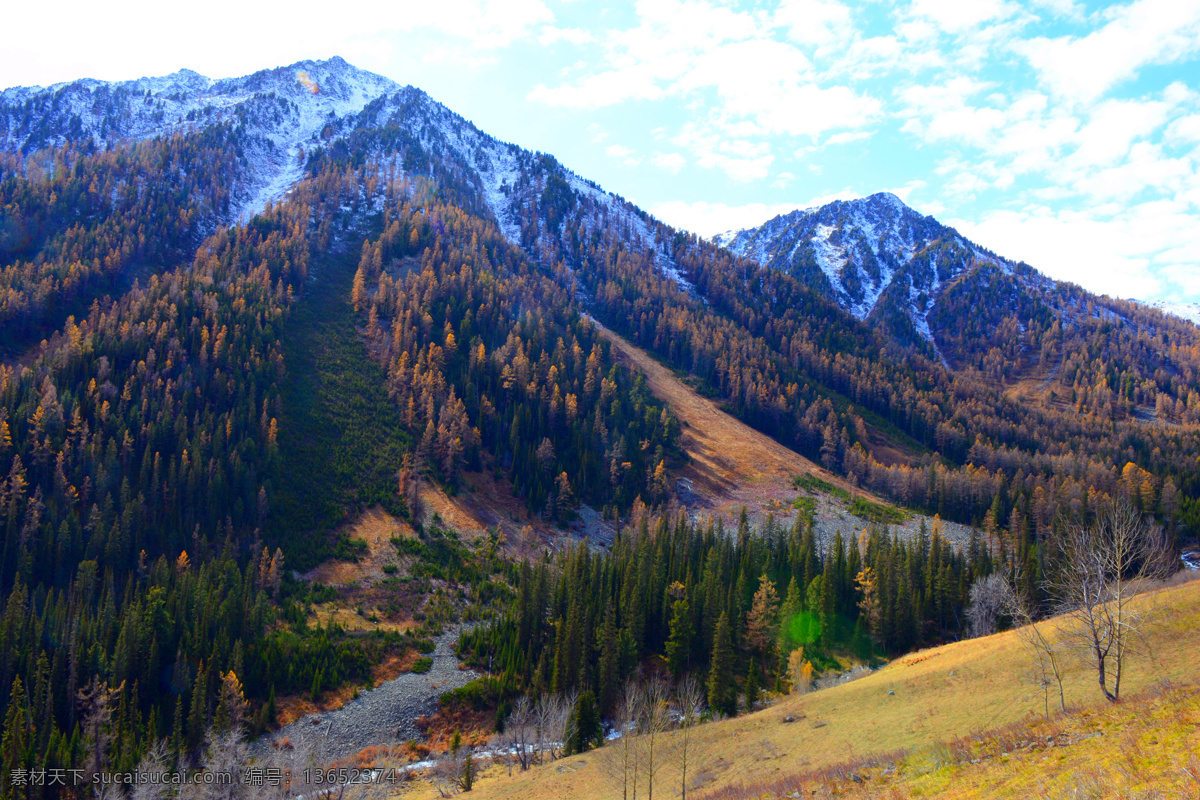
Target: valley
[328, 417]
[951, 721]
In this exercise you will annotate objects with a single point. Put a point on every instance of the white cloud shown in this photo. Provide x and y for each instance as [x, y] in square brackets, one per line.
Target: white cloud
[905, 192]
[671, 162]
[740, 159]
[1136, 35]
[1146, 250]
[847, 137]
[753, 87]
[133, 38]
[782, 180]
[623, 154]
[551, 35]
[709, 219]
[816, 22]
[1184, 129]
[956, 16]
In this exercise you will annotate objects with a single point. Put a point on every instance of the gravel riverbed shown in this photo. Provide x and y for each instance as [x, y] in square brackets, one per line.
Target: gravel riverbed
[384, 715]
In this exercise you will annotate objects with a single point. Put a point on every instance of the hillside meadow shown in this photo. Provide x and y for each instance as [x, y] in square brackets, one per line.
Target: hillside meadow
[902, 716]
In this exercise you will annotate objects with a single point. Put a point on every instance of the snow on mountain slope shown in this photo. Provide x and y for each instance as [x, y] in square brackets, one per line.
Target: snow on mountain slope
[855, 251]
[1188, 311]
[529, 194]
[282, 116]
[281, 110]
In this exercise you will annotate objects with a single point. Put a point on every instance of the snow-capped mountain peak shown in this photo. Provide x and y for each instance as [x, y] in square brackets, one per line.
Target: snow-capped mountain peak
[282, 110]
[858, 252]
[278, 119]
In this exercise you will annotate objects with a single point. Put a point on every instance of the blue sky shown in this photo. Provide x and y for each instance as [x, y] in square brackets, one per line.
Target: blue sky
[1063, 133]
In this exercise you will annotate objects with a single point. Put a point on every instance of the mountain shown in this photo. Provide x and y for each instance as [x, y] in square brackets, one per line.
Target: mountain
[923, 285]
[235, 315]
[880, 260]
[280, 117]
[856, 251]
[277, 113]
[856, 333]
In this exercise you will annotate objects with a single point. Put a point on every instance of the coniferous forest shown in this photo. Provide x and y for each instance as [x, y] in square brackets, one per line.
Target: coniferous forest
[196, 404]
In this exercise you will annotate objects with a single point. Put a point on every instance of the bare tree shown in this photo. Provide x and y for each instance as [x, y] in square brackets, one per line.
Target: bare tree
[224, 754]
[519, 731]
[96, 702]
[621, 759]
[1049, 656]
[689, 702]
[454, 771]
[1100, 568]
[154, 775]
[989, 599]
[552, 715]
[653, 722]
[289, 762]
[444, 775]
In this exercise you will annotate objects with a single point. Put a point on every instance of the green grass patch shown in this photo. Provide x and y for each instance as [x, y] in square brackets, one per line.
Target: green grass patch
[877, 512]
[422, 665]
[341, 437]
[812, 484]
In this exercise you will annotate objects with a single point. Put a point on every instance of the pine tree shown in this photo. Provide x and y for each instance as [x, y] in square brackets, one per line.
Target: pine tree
[793, 604]
[721, 696]
[14, 745]
[609, 677]
[585, 729]
[751, 686]
[680, 641]
[762, 621]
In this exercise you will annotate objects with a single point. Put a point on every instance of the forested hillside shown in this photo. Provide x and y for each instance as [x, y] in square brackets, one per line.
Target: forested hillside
[231, 327]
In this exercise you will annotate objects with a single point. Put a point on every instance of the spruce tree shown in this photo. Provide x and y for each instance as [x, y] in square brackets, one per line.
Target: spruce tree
[14, 744]
[751, 686]
[680, 642]
[609, 666]
[721, 694]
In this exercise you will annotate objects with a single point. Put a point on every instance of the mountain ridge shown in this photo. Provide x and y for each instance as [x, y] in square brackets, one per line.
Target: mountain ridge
[858, 265]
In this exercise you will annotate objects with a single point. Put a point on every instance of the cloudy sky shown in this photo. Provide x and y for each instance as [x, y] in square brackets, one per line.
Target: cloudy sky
[1063, 133]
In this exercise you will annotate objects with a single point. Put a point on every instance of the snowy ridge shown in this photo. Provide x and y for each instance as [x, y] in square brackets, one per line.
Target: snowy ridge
[282, 111]
[279, 118]
[854, 251]
[509, 180]
[1183, 310]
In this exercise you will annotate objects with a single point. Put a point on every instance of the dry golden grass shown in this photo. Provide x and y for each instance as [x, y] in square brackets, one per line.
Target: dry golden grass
[940, 695]
[731, 463]
[293, 707]
[377, 528]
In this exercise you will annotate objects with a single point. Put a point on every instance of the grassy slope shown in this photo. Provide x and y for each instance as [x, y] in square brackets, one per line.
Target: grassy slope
[341, 436]
[941, 694]
[730, 461]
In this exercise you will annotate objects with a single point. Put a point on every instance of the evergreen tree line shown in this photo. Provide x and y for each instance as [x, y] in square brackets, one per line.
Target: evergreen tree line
[693, 598]
[139, 453]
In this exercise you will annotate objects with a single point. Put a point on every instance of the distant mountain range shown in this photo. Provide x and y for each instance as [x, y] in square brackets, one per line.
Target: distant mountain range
[874, 257]
[869, 280]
